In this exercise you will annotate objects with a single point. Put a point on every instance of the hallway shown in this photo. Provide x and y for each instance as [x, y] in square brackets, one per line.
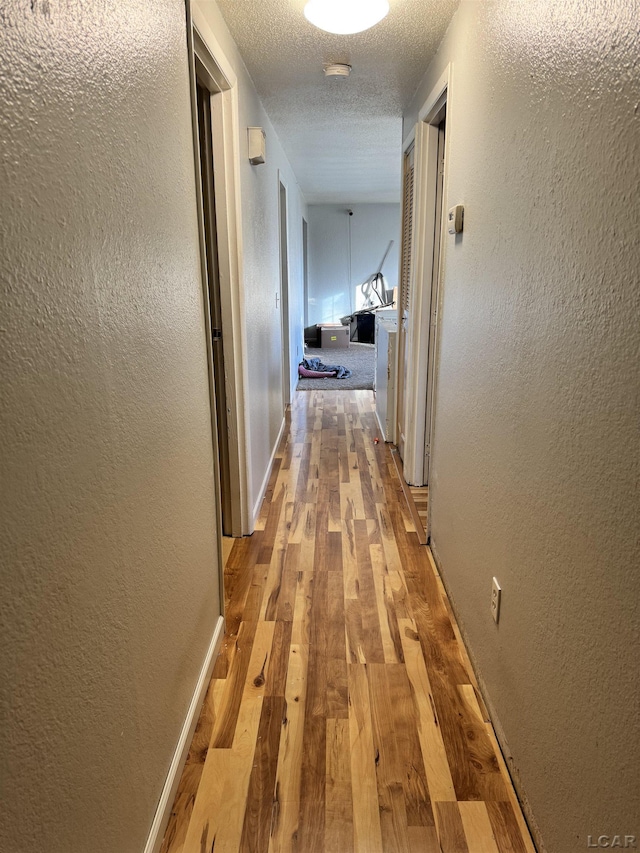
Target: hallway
[343, 714]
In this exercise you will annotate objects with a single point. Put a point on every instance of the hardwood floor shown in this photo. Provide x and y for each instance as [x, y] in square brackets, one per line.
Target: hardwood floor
[420, 497]
[417, 498]
[343, 714]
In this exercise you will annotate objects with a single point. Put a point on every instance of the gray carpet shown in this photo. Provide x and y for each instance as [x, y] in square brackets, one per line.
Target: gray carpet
[359, 358]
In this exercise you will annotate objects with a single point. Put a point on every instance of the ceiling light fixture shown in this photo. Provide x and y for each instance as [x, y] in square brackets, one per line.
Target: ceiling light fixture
[345, 17]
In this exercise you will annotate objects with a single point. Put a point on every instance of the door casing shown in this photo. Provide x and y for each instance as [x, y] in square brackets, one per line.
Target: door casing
[283, 233]
[435, 295]
[215, 72]
[404, 279]
[213, 313]
[425, 287]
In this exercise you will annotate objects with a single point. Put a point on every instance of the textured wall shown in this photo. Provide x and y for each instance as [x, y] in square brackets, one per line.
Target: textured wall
[108, 561]
[261, 277]
[536, 442]
[372, 227]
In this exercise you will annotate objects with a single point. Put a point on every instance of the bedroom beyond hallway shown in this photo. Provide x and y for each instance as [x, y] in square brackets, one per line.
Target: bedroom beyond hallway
[343, 714]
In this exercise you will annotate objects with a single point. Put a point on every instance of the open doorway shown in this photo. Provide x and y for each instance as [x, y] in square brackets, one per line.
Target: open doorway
[284, 294]
[441, 118]
[404, 295]
[424, 199]
[214, 120]
[305, 269]
[214, 306]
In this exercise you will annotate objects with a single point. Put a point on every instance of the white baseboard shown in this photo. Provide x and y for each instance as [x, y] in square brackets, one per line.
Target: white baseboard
[163, 812]
[263, 488]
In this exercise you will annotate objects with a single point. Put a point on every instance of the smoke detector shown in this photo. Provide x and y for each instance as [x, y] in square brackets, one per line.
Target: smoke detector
[337, 69]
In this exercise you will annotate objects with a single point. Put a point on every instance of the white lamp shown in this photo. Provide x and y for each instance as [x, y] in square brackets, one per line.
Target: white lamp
[345, 16]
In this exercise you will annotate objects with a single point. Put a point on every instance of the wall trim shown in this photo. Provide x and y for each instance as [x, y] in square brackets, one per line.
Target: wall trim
[507, 755]
[263, 488]
[432, 101]
[285, 292]
[409, 138]
[225, 124]
[419, 330]
[169, 790]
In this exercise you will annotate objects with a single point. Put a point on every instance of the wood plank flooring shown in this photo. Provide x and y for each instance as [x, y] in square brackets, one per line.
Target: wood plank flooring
[343, 715]
[420, 497]
[417, 498]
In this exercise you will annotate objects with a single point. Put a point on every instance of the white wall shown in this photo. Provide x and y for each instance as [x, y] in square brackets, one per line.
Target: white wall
[535, 453]
[107, 544]
[332, 293]
[261, 274]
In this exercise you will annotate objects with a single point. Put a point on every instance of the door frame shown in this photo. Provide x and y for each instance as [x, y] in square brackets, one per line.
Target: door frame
[284, 288]
[213, 318]
[305, 270]
[218, 75]
[435, 294]
[402, 346]
[423, 318]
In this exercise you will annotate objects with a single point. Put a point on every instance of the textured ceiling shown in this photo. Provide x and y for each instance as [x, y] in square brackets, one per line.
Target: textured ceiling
[342, 136]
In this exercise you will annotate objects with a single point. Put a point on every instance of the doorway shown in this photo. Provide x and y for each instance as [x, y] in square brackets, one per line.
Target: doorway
[214, 107]
[284, 294]
[404, 300]
[305, 269]
[434, 296]
[427, 146]
[214, 307]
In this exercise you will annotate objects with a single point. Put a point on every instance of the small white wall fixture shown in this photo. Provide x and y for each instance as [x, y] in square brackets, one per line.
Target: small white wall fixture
[422, 313]
[257, 145]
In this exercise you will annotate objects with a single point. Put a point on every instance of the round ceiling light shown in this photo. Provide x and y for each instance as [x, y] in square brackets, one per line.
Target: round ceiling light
[345, 17]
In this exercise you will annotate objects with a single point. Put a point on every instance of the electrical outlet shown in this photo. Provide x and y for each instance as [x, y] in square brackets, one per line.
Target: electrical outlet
[496, 593]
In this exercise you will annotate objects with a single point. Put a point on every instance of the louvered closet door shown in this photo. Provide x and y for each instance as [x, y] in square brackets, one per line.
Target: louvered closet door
[404, 296]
